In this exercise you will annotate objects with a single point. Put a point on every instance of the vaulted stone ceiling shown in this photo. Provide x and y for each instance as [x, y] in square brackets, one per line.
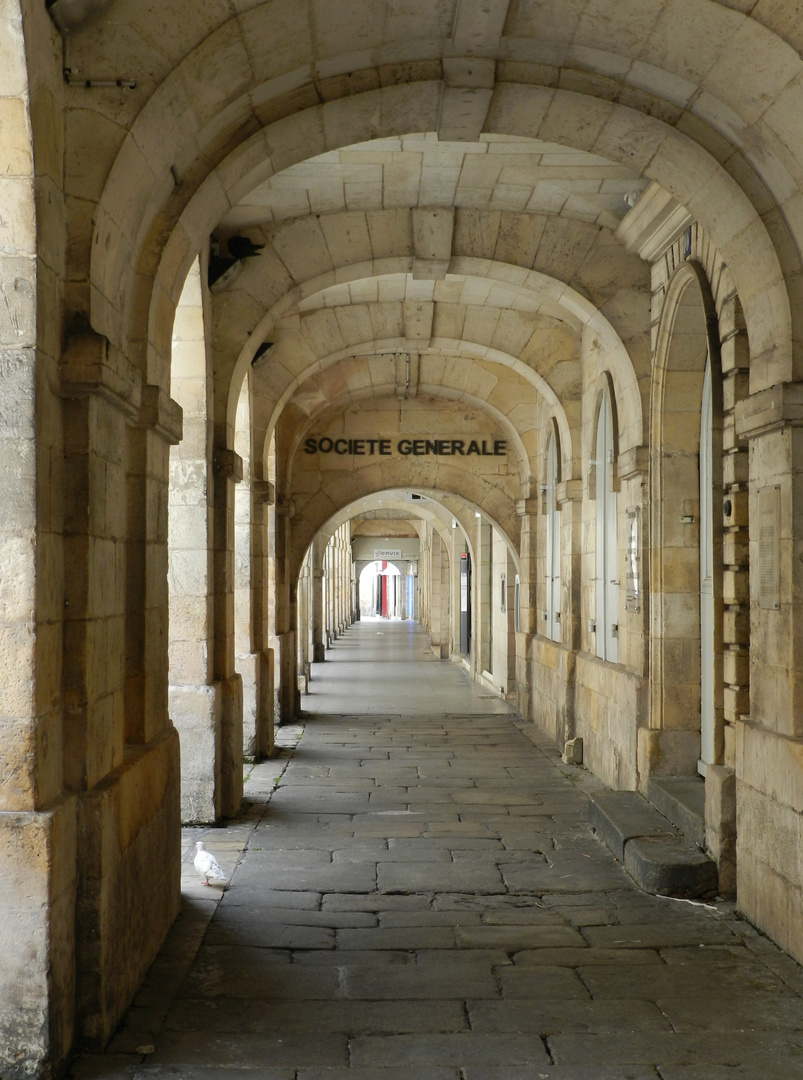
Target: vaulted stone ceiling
[439, 188]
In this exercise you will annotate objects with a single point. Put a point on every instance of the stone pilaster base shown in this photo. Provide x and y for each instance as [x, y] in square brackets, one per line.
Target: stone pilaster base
[257, 674]
[196, 712]
[128, 883]
[37, 940]
[769, 833]
[666, 753]
[231, 776]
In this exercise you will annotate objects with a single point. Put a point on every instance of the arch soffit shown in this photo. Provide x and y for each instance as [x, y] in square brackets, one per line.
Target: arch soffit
[444, 347]
[321, 506]
[522, 456]
[606, 393]
[441, 509]
[272, 277]
[552, 431]
[546, 295]
[256, 76]
[259, 81]
[622, 135]
[688, 283]
[393, 499]
[615, 131]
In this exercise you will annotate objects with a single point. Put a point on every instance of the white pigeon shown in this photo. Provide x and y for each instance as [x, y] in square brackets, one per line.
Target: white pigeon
[206, 864]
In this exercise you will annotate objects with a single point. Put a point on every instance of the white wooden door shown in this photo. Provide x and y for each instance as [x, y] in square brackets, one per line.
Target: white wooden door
[706, 578]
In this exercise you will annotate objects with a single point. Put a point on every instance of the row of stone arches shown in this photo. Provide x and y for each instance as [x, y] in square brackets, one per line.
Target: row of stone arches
[93, 268]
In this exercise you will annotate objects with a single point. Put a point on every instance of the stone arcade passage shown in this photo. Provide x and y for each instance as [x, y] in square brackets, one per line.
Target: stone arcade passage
[509, 288]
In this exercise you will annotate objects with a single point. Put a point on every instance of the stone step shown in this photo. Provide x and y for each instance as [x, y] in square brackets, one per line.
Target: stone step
[656, 854]
[682, 800]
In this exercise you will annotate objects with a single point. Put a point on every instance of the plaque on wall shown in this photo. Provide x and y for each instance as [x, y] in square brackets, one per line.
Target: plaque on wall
[769, 548]
[632, 591]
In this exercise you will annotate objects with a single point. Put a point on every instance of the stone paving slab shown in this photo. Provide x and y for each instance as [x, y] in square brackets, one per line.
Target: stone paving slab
[652, 983]
[435, 982]
[658, 934]
[536, 983]
[354, 1016]
[583, 957]
[241, 1050]
[438, 877]
[398, 937]
[202, 1072]
[553, 1015]
[723, 1010]
[518, 937]
[374, 1073]
[557, 1072]
[751, 1049]
[458, 1050]
[769, 1070]
[224, 971]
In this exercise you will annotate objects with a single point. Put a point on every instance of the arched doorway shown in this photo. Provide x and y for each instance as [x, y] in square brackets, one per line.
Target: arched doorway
[686, 563]
[382, 591]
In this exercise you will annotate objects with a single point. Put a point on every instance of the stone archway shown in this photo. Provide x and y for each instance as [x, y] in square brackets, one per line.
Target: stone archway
[688, 340]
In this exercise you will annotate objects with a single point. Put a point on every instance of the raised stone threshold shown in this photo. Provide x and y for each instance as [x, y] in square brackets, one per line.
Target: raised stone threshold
[662, 858]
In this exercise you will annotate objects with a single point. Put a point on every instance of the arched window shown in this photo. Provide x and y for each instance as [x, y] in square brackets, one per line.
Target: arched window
[552, 569]
[708, 751]
[607, 565]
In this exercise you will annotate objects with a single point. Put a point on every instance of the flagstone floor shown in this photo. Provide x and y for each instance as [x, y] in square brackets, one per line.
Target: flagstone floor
[415, 894]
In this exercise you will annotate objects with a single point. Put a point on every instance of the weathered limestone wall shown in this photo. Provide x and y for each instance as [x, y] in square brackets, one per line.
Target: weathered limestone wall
[769, 742]
[129, 880]
[609, 704]
[38, 838]
[38, 851]
[769, 832]
[553, 688]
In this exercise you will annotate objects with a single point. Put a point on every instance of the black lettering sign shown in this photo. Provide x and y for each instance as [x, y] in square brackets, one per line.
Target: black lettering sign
[406, 447]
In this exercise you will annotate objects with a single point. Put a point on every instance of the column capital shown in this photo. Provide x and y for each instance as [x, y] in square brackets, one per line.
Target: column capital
[264, 491]
[633, 462]
[568, 491]
[227, 464]
[162, 414]
[769, 410]
[90, 367]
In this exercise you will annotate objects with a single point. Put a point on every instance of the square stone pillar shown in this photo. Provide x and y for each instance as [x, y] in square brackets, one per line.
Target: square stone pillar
[318, 647]
[769, 741]
[121, 753]
[228, 471]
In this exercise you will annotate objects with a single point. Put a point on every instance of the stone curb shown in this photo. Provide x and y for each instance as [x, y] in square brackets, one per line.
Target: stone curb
[654, 852]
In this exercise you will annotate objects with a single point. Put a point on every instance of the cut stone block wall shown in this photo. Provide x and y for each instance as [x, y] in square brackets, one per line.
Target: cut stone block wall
[128, 890]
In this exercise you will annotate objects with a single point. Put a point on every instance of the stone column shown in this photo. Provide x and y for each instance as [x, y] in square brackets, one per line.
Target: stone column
[436, 629]
[194, 698]
[285, 662]
[526, 509]
[482, 593]
[262, 497]
[228, 471]
[38, 840]
[121, 752]
[318, 646]
[303, 627]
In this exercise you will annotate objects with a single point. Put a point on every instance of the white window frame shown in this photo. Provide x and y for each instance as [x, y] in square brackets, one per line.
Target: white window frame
[552, 566]
[707, 709]
[607, 544]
